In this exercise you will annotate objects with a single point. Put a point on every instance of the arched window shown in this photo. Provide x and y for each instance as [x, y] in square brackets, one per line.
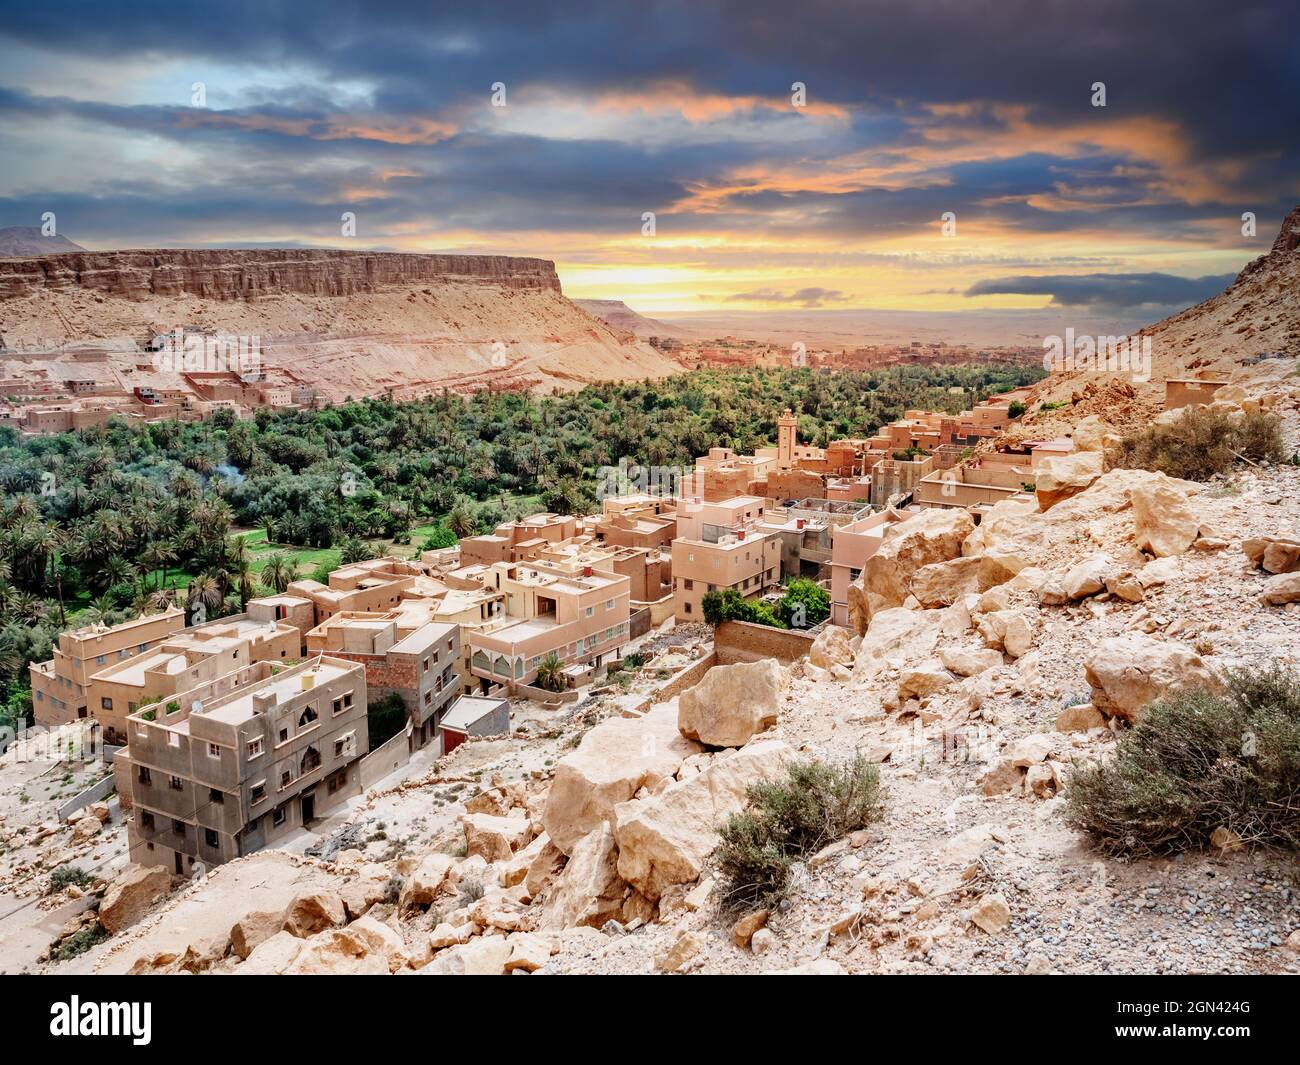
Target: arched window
[310, 760]
[307, 717]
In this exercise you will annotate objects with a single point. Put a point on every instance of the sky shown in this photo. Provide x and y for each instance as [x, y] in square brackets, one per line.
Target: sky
[557, 129]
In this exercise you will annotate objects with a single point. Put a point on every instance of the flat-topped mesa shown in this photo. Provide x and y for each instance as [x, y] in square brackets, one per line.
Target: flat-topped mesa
[240, 274]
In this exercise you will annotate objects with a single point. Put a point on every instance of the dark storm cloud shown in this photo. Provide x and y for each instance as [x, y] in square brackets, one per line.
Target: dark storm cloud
[1108, 291]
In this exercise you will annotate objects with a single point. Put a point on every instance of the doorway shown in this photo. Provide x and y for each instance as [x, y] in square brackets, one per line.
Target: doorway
[308, 809]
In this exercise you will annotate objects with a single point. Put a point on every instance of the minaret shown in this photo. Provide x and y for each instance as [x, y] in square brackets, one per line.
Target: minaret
[787, 438]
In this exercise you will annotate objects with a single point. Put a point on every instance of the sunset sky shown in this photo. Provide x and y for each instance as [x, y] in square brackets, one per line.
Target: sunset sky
[684, 110]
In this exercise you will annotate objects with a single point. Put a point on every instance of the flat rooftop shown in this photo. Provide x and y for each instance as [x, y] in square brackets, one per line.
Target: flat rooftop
[284, 686]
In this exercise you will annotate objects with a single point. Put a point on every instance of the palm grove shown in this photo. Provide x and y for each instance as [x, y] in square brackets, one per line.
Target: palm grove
[107, 523]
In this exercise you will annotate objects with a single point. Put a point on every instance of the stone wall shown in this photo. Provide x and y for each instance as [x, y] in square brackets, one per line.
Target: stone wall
[743, 641]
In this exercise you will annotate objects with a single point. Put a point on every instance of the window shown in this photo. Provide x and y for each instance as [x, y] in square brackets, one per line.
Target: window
[210, 837]
[255, 748]
[174, 783]
[347, 700]
[688, 609]
[99, 660]
[609, 604]
[217, 798]
[286, 778]
[279, 816]
[426, 665]
[146, 820]
[284, 735]
[428, 698]
[178, 827]
[142, 648]
[451, 644]
[339, 746]
[690, 584]
[590, 610]
[106, 703]
[144, 776]
[258, 793]
[307, 716]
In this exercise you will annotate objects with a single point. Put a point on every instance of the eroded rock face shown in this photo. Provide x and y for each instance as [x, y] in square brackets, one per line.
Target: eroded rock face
[944, 583]
[236, 274]
[833, 647]
[1128, 672]
[131, 895]
[897, 633]
[612, 763]
[731, 704]
[664, 840]
[589, 892]
[931, 536]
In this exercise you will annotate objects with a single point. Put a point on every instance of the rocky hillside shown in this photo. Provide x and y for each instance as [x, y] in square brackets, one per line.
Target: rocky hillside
[985, 666]
[29, 240]
[346, 323]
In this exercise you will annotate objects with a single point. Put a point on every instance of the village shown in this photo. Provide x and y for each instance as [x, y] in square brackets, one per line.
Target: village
[184, 743]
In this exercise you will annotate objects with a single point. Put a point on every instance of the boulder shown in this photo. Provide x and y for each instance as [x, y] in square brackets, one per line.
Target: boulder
[969, 663]
[665, 839]
[1088, 577]
[1275, 554]
[923, 680]
[495, 838]
[1079, 718]
[944, 583]
[544, 867]
[897, 633]
[1092, 434]
[1164, 522]
[380, 940]
[1006, 630]
[254, 929]
[589, 891]
[447, 934]
[1062, 476]
[683, 949]
[991, 914]
[833, 647]
[933, 535]
[313, 912]
[614, 761]
[131, 895]
[1128, 672]
[1281, 588]
[427, 879]
[731, 704]
[272, 956]
[743, 930]
[86, 827]
[528, 951]
[482, 956]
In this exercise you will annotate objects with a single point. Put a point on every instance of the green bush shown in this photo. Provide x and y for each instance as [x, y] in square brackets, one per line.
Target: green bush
[816, 804]
[78, 943]
[814, 599]
[385, 718]
[1015, 409]
[1196, 761]
[1200, 444]
[67, 875]
[730, 605]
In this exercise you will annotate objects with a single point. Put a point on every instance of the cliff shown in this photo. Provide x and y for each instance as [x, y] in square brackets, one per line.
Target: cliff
[250, 274]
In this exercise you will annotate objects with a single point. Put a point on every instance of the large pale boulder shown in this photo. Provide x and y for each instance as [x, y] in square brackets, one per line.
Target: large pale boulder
[427, 879]
[1281, 588]
[254, 929]
[131, 895]
[272, 956]
[1006, 630]
[923, 680]
[945, 583]
[897, 634]
[833, 647]
[1164, 521]
[665, 839]
[589, 891]
[933, 535]
[1275, 554]
[1128, 672]
[380, 940]
[969, 663]
[1009, 535]
[312, 912]
[1088, 577]
[1062, 476]
[612, 763]
[1092, 434]
[731, 704]
[495, 838]
[481, 956]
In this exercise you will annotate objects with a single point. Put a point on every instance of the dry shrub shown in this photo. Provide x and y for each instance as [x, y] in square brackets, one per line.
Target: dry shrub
[1200, 444]
[1196, 761]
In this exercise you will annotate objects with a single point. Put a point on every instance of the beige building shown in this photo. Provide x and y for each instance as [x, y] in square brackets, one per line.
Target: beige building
[742, 559]
[580, 618]
[419, 661]
[512, 541]
[60, 687]
[191, 657]
[221, 771]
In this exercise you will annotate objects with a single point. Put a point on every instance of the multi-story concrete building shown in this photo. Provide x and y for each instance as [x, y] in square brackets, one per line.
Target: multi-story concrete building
[60, 686]
[580, 618]
[419, 661]
[224, 769]
[511, 541]
[191, 657]
[375, 585]
[851, 545]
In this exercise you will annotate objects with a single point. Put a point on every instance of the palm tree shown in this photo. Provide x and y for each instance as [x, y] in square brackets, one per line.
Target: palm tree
[550, 673]
[280, 571]
[159, 555]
